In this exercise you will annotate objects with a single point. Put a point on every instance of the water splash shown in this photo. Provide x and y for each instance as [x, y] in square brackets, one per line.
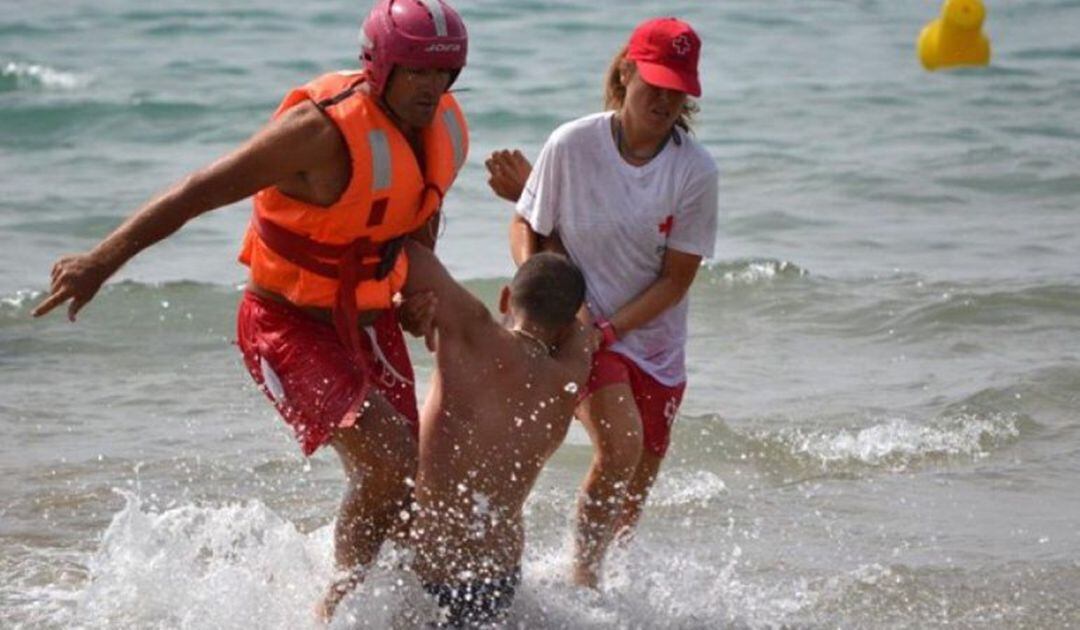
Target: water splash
[237, 566]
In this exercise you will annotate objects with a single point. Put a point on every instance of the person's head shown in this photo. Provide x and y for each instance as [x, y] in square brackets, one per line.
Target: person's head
[546, 292]
[412, 51]
[656, 73]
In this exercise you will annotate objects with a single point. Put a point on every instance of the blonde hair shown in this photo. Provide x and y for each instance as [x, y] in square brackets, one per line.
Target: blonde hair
[615, 93]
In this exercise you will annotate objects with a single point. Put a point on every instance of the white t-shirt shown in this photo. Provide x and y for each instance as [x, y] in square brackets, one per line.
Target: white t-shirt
[617, 220]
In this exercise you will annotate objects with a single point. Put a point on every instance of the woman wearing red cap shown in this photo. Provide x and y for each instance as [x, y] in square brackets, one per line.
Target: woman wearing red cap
[632, 199]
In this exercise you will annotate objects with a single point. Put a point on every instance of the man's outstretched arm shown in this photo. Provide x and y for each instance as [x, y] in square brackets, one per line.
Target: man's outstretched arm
[298, 141]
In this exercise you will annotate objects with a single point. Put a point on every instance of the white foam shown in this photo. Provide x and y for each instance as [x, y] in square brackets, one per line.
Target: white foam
[660, 584]
[756, 271]
[901, 440]
[689, 487]
[21, 298]
[31, 74]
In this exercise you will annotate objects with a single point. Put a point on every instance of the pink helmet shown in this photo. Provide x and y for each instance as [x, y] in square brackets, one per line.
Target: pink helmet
[413, 33]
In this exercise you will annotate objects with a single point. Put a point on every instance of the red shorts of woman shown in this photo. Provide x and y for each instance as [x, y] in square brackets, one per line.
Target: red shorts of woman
[311, 377]
[657, 403]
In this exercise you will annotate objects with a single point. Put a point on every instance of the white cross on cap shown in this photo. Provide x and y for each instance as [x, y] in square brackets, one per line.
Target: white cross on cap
[682, 45]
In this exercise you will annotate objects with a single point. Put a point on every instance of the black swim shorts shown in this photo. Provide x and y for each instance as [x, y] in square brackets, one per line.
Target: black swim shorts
[476, 603]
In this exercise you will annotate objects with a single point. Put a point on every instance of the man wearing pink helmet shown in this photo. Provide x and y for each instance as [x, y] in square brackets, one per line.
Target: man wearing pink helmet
[351, 164]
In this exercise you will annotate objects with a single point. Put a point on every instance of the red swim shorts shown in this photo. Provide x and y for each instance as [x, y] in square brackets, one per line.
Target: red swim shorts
[657, 403]
[311, 377]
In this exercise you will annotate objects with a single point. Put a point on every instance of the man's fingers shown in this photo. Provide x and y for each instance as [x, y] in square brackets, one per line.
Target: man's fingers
[76, 305]
[422, 301]
[55, 298]
[430, 339]
[61, 267]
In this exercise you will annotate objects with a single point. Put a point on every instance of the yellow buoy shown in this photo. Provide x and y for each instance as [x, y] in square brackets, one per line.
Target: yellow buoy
[955, 38]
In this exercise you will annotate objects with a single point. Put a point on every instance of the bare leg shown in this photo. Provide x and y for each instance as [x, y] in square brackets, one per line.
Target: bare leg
[640, 484]
[378, 453]
[614, 425]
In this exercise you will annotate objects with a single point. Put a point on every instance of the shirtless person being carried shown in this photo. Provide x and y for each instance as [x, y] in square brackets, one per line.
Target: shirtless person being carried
[500, 404]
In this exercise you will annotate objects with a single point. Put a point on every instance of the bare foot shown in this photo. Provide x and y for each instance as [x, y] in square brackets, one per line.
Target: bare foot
[324, 610]
[585, 576]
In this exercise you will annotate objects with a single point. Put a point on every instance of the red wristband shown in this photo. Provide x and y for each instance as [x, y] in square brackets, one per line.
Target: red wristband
[607, 330]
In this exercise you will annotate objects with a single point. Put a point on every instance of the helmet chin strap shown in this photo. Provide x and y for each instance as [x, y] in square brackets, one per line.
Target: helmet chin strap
[381, 101]
[385, 104]
[411, 133]
[393, 115]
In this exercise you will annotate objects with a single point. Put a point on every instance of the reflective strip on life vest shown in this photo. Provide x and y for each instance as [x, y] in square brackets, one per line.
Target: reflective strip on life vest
[381, 166]
[457, 137]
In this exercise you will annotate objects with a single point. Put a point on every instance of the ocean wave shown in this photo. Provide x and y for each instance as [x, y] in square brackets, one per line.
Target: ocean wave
[16, 75]
[18, 302]
[898, 442]
[1050, 392]
[901, 306]
[792, 451]
[126, 308]
[753, 271]
[1043, 54]
[42, 125]
[963, 306]
[1016, 184]
[901, 596]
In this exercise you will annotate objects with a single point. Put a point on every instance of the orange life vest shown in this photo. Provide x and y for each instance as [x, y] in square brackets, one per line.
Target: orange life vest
[345, 256]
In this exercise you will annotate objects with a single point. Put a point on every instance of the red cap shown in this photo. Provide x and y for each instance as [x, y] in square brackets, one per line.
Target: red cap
[666, 51]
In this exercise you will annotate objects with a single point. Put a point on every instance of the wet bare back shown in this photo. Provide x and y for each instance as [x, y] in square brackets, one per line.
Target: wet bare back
[499, 406]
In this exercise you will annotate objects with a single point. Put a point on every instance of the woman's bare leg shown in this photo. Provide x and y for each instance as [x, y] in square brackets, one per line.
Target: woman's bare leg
[614, 425]
[640, 485]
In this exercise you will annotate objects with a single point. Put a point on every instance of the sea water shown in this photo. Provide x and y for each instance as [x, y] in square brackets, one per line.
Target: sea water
[881, 426]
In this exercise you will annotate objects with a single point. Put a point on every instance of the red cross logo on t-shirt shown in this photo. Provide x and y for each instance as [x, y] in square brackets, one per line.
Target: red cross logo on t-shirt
[665, 227]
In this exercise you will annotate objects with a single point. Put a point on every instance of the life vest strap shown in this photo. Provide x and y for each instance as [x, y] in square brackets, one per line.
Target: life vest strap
[345, 263]
[314, 256]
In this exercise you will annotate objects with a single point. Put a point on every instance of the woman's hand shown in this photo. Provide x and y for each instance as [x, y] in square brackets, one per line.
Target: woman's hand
[509, 170]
